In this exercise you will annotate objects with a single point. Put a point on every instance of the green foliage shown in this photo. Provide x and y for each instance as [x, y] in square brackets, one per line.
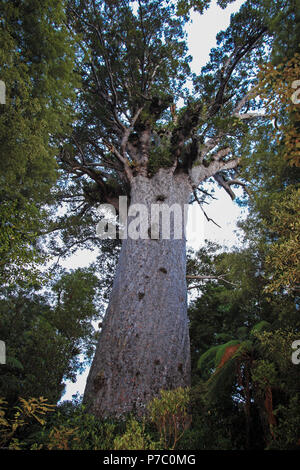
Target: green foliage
[69, 427]
[260, 327]
[27, 410]
[276, 89]
[135, 438]
[208, 358]
[72, 428]
[284, 254]
[221, 352]
[241, 339]
[170, 414]
[19, 252]
[214, 426]
[276, 346]
[264, 374]
[160, 157]
[37, 58]
[287, 431]
[183, 6]
[48, 339]
[131, 47]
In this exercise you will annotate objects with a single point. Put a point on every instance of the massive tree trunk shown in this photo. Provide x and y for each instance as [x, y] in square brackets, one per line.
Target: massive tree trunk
[144, 343]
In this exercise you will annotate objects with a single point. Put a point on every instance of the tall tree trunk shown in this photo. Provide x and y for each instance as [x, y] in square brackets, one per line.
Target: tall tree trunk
[144, 343]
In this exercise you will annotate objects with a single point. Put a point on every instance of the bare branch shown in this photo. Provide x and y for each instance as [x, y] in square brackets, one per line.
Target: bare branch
[121, 158]
[221, 277]
[129, 130]
[212, 142]
[67, 250]
[200, 205]
[239, 183]
[230, 66]
[222, 182]
[206, 193]
[251, 94]
[245, 116]
[81, 153]
[222, 153]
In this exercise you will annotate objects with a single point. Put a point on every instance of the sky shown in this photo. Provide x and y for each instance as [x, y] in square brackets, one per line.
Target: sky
[201, 39]
[203, 29]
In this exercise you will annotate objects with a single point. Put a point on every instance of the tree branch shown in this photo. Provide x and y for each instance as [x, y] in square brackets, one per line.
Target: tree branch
[200, 204]
[251, 94]
[199, 172]
[221, 180]
[129, 130]
[121, 158]
[229, 68]
[221, 277]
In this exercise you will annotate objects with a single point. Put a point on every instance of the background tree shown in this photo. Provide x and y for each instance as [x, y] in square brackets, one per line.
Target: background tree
[244, 382]
[256, 284]
[49, 336]
[36, 59]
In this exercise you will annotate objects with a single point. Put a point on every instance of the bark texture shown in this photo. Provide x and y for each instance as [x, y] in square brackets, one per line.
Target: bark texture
[144, 342]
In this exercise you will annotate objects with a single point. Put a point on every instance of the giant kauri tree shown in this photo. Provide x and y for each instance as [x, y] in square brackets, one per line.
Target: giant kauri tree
[141, 133]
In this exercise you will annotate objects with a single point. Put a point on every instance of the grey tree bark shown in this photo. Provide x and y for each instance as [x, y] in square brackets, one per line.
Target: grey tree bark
[144, 342]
